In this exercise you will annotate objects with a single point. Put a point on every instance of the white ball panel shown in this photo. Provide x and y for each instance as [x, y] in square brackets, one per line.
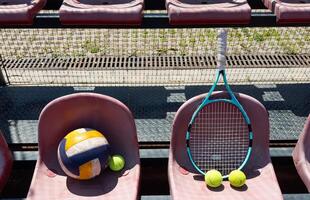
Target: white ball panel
[86, 145]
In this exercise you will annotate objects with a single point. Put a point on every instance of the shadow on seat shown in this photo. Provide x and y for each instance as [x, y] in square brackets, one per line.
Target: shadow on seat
[301, 155]
[19, 11]
[83, 12]
[208, 12]
[290, 11]
[261, 179]
[99, 112]
[6, 162]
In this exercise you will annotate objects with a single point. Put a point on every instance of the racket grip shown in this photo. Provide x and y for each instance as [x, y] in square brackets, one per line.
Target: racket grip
[222, 46]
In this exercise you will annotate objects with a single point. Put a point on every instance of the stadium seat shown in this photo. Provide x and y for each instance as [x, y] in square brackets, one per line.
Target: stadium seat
[99, 112]
[6, 161]
[19, 11]
[186, 183]
[83, 12]
[290, 11]
[208, 12]
[301, 155]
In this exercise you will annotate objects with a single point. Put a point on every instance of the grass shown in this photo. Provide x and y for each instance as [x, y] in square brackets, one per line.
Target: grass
[147, 42]
[91, 46]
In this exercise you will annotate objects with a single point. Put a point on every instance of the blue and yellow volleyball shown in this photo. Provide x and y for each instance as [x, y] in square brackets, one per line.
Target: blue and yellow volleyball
[83, 153]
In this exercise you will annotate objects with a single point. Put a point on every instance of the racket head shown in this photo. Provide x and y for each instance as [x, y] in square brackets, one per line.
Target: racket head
[219, 137]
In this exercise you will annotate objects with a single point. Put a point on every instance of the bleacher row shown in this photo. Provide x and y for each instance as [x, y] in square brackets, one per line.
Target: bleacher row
[48, 181]
[130, 12]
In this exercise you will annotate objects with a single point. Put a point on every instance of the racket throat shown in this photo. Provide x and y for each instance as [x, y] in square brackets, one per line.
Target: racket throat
[221, 72]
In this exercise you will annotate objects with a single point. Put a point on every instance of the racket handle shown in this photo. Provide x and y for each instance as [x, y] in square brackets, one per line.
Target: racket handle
[222, 45]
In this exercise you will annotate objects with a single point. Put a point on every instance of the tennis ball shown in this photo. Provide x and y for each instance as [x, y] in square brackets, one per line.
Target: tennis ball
[237, 178]
[116, 163]
[213, 178]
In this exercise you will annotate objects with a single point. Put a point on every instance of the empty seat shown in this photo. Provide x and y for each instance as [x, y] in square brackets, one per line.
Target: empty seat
[301, 155]
[6, 162]
[290, 11]
[19, 11]
[82, 110]
[208, 11]
[186, 183]
[85, 12]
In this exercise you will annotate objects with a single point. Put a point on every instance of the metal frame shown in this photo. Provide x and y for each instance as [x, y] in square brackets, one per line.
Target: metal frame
[149, 145]
[153, 21]
[149, 4]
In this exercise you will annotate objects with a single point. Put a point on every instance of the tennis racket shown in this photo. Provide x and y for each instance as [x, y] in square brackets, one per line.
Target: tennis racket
[219, 134]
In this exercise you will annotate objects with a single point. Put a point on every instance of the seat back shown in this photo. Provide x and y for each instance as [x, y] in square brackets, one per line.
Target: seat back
[87, 110]
[305, 139]
[301, 154]
[260, 126]
[6, 162]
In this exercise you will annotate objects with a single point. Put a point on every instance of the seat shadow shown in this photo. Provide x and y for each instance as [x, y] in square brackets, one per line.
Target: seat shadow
[102, 184]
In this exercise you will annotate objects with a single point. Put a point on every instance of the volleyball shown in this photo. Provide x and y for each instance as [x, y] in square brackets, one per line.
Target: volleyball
[83, 153]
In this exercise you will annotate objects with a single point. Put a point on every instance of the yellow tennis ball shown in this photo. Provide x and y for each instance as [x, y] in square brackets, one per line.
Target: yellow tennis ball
[237, 178]
[213, 178]
[116, 163]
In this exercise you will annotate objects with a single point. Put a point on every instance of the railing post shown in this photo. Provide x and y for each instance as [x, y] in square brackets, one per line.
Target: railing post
[2, 70]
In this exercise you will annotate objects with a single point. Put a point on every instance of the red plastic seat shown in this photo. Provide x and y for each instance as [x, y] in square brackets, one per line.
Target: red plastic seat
[208, 12]
[301, 155]
[104, 114]
[6, 162]
[290, 11]
[127, 12]
[19, 11]
[186, 183]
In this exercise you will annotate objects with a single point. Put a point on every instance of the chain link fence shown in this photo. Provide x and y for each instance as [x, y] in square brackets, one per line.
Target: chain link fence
[152, 56]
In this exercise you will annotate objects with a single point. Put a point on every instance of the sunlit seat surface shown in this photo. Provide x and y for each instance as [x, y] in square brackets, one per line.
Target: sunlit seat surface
[19, 11]
[101, 12]
[100, 112]
[290, 11]
[186, 183]
[208, 11]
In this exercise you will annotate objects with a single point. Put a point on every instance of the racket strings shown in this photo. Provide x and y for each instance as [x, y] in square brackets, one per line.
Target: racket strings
[219, 138]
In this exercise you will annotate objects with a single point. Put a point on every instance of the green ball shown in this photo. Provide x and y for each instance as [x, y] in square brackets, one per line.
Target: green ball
[237, 178]
[116, 163]
[213, 178]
